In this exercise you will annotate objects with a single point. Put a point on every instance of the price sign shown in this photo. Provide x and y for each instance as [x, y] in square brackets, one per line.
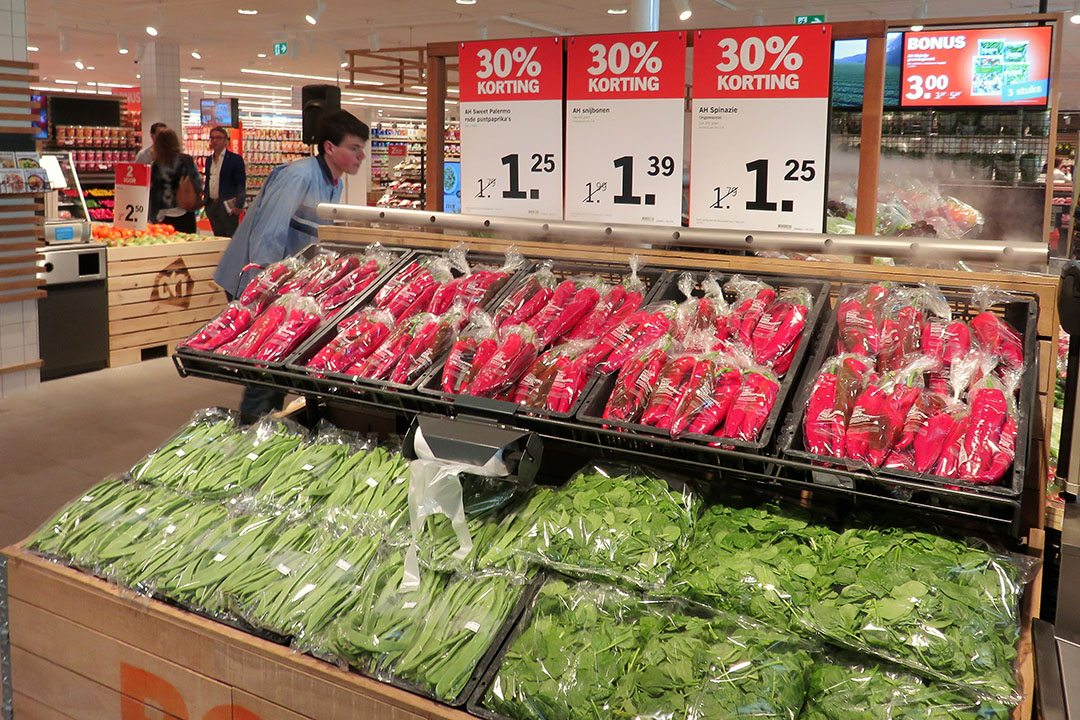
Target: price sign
[999, 66]
[625, 98]
[132, 198]
[760, 132]
[511, 128]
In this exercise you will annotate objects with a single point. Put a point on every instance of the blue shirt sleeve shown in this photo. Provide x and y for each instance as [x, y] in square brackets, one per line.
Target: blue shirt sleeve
[272, 211]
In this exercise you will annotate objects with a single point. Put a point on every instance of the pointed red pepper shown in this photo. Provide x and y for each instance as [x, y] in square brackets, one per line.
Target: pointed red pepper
[592, 324]
[751, 408]
[999, 338]
[713, 413]
[659, 410]
[577, 308]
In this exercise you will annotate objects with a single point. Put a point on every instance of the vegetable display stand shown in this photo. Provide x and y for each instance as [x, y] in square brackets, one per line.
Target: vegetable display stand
[592, 409]
[83, 648]
[654, 279]
[160, 294]
[1021, 314]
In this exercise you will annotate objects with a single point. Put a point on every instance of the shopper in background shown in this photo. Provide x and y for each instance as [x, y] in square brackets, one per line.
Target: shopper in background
[146, 155]
[175, 184]
[226, 185]
[282, 220]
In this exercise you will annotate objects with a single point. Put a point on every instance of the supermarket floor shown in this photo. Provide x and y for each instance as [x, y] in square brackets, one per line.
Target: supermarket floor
[68, 434]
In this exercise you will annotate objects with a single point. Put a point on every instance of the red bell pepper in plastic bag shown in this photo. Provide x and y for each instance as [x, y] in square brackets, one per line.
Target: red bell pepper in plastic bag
[516, 352]
[864, 438]
[581, 304]
[381, 362]
[571, 375]
[998, 337]
[534, 386]
[948, 464]
[265, 287]
[752, 406]
[693, 396]
[331, 274]
[435, 335]
[402, 278]
[715, 410]
[781, 326]
[562, 296]
[310, 270]
[350, 286]
[302, 319]
[782, 364]
[592, 324]
[989, 409]
[696, 315]
[826, 420]
[932, 437]
[639, 331]
[232, 321]
[635, 382]
[661, 408]
[752, 298]
[261, 329]
[444, 296]
[932, 344]
[523, 304]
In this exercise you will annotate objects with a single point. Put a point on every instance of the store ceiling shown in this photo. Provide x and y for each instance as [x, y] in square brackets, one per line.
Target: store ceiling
[229, 43]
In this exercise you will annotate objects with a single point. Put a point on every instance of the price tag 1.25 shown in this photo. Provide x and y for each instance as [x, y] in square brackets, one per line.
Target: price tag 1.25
[760, 128]
[132, 199]
[625, 97]
[511, 128]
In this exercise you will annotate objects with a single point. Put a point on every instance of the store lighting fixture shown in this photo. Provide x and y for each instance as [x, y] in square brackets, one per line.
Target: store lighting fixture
[242, 11]
[91, 67]
[313, 17]
[79, 64]
[1074, 18]
[261, 55]
[725, 4]
[121, 44]
[64, 45]
[305, 77]
[195, 54]
[917, 28]
[466, 2]
[151, 31]
[683, 6]
[32, 48]
[759, 17]
[138, 76]
[66, 82]
[532, 25]
[373, 40]
[920, 14]
[617, 11]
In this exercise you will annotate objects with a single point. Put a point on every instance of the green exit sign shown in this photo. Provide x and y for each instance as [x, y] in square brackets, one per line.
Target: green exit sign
[281, 49]
[809, 19]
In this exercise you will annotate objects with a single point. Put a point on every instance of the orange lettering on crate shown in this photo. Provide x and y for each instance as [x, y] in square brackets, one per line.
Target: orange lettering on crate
[230, 712]
[139, 688]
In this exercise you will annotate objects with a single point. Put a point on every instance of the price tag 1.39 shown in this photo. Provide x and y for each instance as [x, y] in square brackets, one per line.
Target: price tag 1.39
[511, 128]
[625, 97]
[132, 199]
[760, 128]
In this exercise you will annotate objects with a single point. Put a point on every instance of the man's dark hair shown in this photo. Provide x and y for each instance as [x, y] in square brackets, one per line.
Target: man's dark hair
[155, 127]
[334, 126]
[220, 129]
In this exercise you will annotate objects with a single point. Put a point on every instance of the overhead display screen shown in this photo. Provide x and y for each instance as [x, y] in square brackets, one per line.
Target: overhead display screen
[988, 67]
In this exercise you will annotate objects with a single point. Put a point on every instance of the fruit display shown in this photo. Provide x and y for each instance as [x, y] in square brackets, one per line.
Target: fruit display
[154, 234]
[912, 388]
[905, 209]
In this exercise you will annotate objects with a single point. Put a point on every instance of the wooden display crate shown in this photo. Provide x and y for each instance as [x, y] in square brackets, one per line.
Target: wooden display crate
[159, 295]
[82, 648]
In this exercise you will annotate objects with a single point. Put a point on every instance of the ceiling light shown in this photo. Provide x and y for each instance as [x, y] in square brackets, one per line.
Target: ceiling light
[466, 2]
[916, 28]
[66, 82]
[373, 39]
[617, 11]
[305, 77]
[530, 24]
[313, 17]
[151, 31]
[121, 43]
[31, 48]
[64, 46]
[79, 64]
[242, 11]
[195, 54]
[683, 6]
[138, 76]
[90, 67]
[1074, 17]
[262, 55]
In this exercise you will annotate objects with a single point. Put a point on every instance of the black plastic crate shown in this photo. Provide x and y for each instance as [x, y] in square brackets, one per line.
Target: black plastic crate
[297, 361]
[430, 384]
[592, 409]
[400, 255]
[1021, 315]
[525, 601]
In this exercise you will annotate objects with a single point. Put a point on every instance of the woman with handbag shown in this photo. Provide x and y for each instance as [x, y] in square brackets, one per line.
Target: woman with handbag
[175, 184]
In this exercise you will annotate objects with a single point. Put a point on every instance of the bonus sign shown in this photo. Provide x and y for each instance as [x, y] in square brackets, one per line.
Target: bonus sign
[511, 128]
[760, 128]
[625, 97]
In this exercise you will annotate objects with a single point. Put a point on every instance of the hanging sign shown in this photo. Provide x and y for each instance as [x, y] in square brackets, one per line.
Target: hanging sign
[132, 199]
[998, 66]
[511, 128]
[625, 104]
[760, 128]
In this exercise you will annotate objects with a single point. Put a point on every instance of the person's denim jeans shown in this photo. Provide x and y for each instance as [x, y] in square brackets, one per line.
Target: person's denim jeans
[257, 400]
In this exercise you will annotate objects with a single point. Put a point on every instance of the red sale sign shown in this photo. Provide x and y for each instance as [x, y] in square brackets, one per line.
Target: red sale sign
[996, 66]
[131, 174]
[523, 69]
[132, 198]
[787, 61]
[631, 66]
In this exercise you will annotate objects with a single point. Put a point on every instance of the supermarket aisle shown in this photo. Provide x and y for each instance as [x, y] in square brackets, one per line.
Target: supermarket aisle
[68, 434]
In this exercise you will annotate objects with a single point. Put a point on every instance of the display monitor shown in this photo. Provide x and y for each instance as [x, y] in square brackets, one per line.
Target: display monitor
[452, 186]
[849, 71]
[1003, 67]
[219, 111]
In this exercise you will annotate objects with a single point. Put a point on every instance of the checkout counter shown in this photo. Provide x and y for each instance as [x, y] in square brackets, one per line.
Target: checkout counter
[73, 325]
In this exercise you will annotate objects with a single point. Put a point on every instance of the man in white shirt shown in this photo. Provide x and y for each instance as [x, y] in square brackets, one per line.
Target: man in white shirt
[225, 183]
[146, 155]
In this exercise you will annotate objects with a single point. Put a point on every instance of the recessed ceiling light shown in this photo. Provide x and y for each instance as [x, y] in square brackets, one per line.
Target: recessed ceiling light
[683, 6]
[79, 64]
[151, 31]
[90, 67]
[344, 64]
[262, 55]
[122, 51]
[31, 48]
[138, 76]
[916, 28]
[195, 54]
[466, 2]
[242, 11]
[617, 11]
[66, 82]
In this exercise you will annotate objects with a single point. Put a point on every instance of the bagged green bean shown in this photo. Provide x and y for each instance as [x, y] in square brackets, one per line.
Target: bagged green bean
[195, 446]
[371, 496]
[619, 523]
[846, 686]
[759, 562]
[945, 609]
[92, 510]
[243, 460]
[590, 651]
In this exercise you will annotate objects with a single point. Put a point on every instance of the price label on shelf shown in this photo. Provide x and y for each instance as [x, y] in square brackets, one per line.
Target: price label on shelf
[132, 199]
[625, 97]
[511, 128]
[760, 128]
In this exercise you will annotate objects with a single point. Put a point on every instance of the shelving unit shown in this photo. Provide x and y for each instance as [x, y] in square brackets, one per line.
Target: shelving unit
[263, 149]
[384, 136]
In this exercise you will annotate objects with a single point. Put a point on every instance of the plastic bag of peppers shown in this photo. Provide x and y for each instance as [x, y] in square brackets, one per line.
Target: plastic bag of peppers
[917, 390]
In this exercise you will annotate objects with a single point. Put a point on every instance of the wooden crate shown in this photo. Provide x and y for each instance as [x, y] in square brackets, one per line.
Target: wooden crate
[160, 294]
[82, 648]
